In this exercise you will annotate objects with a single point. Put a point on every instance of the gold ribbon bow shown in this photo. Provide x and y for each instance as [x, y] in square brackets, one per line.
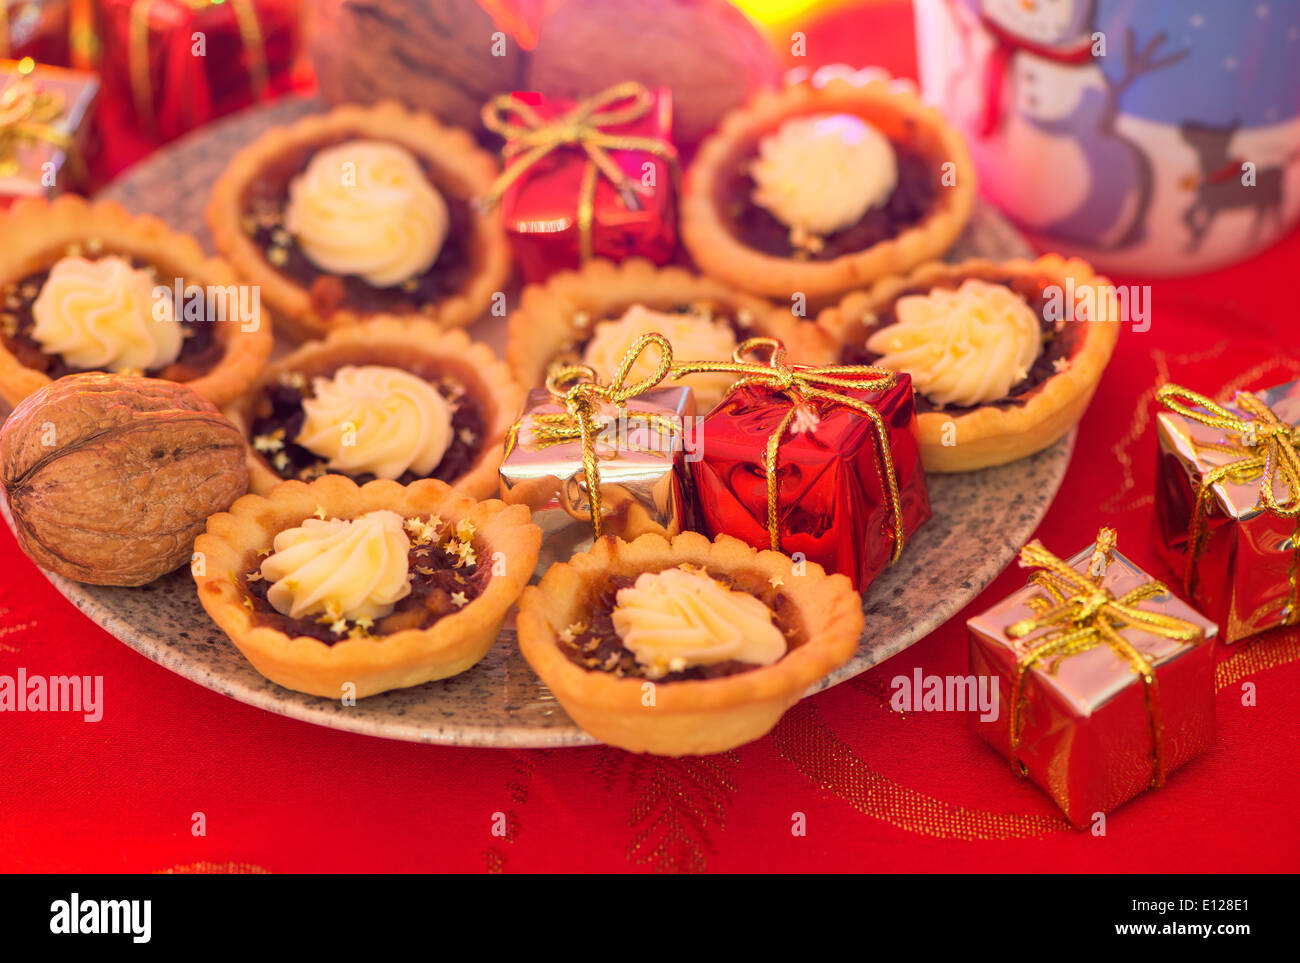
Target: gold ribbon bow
[531, 138]
[801, 385]
[1267, 448]
[1086, 615]
[28, 112]
[578, 388]
[250, 32]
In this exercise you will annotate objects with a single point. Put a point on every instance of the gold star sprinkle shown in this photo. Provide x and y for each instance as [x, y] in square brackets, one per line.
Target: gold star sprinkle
[1061, 364]
[280, 461]
[320, 512]
[267, 443]
[467, 436]
[339, 626]
[464, 529]
[458, 599]
[248, 602]
[254, 576]
[466, 552]
[571, 632]
[278, 256]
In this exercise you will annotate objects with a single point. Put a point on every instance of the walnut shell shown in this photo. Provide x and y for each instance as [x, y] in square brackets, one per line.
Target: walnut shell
[110, 478]
[707, 51]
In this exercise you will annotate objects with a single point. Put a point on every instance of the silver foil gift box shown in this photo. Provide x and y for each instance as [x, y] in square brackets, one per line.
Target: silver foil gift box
[636, 447]
[1227, 513]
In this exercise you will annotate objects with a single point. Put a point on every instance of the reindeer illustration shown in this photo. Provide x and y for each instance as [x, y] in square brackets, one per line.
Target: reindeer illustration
[1220, 185]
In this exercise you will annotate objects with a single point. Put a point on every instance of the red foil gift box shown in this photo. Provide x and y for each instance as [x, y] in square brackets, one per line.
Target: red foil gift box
[174, 65]
[1069, 656]
[595, 178]
[44, 128]
[1227, 513]
[832, 493]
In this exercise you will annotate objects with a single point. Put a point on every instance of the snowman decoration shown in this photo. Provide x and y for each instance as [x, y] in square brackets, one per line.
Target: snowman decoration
[1039, 102]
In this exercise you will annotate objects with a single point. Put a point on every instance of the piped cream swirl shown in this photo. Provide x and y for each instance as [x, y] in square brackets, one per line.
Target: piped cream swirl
[102, 316]
[966, 347]
[823, 172]
[348, 569]
[693, 338]
[366, 208]
[376, 420]
[675, 619]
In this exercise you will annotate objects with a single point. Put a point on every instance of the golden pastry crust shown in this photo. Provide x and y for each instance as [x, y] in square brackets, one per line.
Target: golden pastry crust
[401, 343]
[544, 326]
[895, 109]
[989, 434]
[467, 169]
[408, 657]
[38, 232]
[693, 716]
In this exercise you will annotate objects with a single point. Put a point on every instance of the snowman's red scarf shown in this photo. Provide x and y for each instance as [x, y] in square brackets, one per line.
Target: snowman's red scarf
[1000, 60]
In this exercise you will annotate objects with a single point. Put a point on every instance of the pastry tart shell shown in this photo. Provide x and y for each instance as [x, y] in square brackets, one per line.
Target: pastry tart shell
[688, 717]
[408, 657]
[401, 343]
[469, 170]
[990, 435]
[894, 107]
[37, 232]
[544, 326]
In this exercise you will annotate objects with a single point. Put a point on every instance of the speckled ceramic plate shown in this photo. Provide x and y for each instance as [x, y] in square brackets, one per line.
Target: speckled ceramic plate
[980, 521]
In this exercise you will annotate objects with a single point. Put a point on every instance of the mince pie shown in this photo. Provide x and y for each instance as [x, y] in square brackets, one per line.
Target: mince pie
[362, 211]
[816, 190]
[1004, 358]
[388, 398]
[329, 585]
[686, 646]
[593, 315]
[88, 287]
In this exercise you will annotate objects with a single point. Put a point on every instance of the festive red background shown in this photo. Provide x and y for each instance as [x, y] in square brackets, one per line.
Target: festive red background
[879, 790]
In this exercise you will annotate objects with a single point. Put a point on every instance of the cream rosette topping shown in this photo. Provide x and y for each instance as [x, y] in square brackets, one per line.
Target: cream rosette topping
[962, 347]
[692, 336]
[375, 420]
[102, 316]
[350, 569]
[821, 173]
[676, 619]
[366, 208]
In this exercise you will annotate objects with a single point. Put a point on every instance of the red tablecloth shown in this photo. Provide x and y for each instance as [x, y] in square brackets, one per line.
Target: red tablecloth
[878, 790]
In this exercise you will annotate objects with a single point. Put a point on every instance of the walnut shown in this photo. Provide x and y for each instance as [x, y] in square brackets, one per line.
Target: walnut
[111, 477]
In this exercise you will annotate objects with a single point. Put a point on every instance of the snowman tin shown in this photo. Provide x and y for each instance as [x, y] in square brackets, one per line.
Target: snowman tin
[1149, 136]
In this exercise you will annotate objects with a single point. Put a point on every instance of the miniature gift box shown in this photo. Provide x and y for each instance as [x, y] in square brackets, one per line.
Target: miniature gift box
[1228, 504]
[1071, 653]
[848, 486]
[637, 445]
[595, 178]
[44, 124]
[174, 65]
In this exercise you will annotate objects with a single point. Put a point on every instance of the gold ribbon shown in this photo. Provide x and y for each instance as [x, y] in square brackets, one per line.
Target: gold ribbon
[1084, 616]
[250, 32]
[1267, 448]
[578, 388]
[530, 138]
[801, 385]
[28, 112]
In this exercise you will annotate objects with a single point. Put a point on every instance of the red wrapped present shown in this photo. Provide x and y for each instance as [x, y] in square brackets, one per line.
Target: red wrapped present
[822, 464]
[1228, 504]
[43, 128]
[596, 178]
[174, 65]
[39, 29]
[1106, 679]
